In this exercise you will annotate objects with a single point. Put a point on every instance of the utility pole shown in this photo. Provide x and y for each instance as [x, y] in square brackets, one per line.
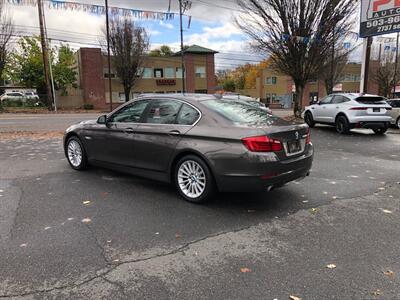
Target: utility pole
[52, 82]
[44, 52]
[395, 67]
[182, 54]
[333, 60]
[109, 56]
[365, 64]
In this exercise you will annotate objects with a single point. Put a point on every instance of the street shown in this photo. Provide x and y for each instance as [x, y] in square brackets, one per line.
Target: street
[99, 234]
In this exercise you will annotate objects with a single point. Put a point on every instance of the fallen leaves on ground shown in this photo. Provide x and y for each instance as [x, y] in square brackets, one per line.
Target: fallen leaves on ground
[177, 236]
[245, 270]
[386, 211]
[331, 266]
[87, 202]
[29, 134]
[377, 292]
[86, 220]
[389, 273]
[294, 298]
[313, 210]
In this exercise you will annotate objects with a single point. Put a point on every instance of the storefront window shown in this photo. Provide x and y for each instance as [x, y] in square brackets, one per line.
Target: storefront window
[147, 73]
[169, 72]
[201, 72]
[158, 73]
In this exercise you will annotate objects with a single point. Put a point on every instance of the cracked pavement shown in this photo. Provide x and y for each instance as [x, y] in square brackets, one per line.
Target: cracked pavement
[141, 241]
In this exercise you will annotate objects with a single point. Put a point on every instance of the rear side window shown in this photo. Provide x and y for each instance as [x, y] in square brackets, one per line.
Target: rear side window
[163, 112]
[371, 100]
[187, 115]
[239, 112]
[395, 103]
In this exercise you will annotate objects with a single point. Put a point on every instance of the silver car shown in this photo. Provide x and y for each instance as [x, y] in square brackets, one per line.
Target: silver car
[395, 113]
[346, 111]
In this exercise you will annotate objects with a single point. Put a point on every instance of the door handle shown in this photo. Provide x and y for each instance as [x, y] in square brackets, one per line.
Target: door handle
[337, 107]
[174, 132]
[129, 130]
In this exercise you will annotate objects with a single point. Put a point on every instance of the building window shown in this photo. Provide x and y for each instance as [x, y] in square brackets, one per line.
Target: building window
[108, 75]
[271, 98]
[201, 72]
[350, 78]
[121, 97]
[178, 72]
[158, 73]
[147, 73]
[169, 72]
[270, 80]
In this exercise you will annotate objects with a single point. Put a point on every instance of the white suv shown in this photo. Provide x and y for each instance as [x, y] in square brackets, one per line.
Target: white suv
[347, 110]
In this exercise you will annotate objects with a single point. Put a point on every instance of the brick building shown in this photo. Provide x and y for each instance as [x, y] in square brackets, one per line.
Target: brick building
[277, 90]
[160, 75]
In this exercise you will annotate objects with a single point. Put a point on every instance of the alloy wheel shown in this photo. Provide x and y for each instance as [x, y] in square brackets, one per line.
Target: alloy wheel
[74, 153]
[191, 179]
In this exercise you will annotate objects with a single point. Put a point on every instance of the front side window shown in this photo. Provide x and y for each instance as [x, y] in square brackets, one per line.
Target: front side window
[338, 99]
[163, 112]
[187, 115]
[130, 113]
[201, 72]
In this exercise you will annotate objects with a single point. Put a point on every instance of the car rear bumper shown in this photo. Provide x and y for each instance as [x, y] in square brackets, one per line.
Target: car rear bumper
[372, 124]
[267, 175]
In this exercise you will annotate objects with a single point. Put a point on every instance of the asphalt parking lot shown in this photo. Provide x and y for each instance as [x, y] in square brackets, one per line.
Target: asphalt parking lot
[99, 234]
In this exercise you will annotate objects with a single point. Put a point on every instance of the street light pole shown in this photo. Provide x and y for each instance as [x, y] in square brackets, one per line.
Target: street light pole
[182, 54]
[333, 59]
[108, 55]
[395, 67]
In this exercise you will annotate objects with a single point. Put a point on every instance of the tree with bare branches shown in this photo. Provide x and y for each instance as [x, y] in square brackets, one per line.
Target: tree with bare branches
[297, 34]
[333, 66]
[6, 32]
[384, 74]
[129, 44]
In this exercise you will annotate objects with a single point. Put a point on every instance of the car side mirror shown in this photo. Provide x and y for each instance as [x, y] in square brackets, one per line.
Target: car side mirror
[102, 120]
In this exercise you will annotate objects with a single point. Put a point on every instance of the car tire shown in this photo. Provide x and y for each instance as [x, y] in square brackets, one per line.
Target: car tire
[76, 154]
[398, 123]
[342, 125]
[308, 118]
[380, 131]
[194, 180]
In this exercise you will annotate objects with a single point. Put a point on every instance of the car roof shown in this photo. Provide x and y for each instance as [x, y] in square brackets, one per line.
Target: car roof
[354, 95]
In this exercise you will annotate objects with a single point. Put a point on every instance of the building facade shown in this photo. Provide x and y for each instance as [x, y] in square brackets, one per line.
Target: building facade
[277, 90]
[159, 75]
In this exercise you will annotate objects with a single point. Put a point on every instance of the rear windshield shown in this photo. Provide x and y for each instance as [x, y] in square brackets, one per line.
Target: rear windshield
[239, 112]
[371, 100]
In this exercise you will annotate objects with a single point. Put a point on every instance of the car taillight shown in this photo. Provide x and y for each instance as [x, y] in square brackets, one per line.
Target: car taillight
[308, 138]
[359, 108]
[262, 144]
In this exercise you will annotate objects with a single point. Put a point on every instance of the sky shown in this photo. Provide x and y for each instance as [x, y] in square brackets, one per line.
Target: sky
[212, 26]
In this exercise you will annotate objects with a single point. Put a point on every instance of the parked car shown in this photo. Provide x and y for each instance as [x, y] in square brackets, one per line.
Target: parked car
[31, 96]
[346, 111]
[13, 96]
[200, 143]
[395, 112]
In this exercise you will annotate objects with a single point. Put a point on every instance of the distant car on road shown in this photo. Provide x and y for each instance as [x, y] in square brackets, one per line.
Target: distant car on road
[31, 96]
[395, 113]
[199, 142]
[346, 111]
[13, 96]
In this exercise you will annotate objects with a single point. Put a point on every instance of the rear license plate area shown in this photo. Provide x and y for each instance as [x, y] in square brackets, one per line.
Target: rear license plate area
[293, 146]
[376, 109]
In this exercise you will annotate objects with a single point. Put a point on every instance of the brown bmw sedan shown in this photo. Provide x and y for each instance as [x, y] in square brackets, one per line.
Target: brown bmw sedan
[201, 143]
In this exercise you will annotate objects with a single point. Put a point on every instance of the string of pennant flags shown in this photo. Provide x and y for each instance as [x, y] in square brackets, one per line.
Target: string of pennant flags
[97, 9]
